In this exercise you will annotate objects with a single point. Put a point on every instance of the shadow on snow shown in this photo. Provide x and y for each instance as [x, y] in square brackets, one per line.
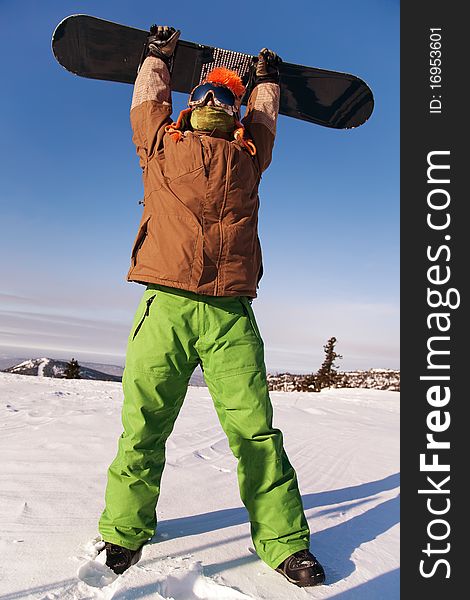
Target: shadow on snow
[334, 545]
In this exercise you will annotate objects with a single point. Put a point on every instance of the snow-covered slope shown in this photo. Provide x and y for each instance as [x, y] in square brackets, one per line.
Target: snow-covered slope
[49, 367]
[57, 438]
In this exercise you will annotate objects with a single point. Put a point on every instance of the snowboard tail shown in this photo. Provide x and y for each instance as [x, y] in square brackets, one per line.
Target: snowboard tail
[98, 49]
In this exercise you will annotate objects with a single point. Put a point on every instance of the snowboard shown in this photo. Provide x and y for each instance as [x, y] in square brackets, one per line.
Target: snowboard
[100, 49]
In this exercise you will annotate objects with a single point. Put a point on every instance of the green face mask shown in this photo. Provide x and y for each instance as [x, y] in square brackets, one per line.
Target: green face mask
[208, 118]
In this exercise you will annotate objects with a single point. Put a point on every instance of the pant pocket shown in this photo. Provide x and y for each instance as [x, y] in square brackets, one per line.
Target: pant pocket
[247, 309]
[141, 322]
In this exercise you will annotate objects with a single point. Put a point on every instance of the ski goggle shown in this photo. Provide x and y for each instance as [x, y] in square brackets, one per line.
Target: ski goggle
[222, 96]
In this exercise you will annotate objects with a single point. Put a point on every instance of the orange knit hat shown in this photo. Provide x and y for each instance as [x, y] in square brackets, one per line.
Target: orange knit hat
[228, 78]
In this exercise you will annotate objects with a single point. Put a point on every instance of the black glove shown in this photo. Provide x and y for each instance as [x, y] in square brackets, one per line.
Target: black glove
[267, 67]
[161, 43]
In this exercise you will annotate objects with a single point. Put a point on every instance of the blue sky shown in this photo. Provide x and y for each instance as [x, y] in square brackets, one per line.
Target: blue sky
[70, 185]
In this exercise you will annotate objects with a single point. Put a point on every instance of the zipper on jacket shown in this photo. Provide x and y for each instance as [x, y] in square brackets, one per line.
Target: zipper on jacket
[138, 247]
[221, 216]
[146, 314]
[203, 155]
[142, 235]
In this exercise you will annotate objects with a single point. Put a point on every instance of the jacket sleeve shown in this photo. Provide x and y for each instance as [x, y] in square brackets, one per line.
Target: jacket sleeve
[261, 118]
[151, 107]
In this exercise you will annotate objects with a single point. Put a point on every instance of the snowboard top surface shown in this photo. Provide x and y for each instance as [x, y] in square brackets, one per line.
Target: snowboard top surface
[99, 49]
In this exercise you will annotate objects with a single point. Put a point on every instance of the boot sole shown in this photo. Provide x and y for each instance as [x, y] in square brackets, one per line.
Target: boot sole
[300, 583]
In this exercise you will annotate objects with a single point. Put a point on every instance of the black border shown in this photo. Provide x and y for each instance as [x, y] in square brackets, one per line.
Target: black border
[421, 133]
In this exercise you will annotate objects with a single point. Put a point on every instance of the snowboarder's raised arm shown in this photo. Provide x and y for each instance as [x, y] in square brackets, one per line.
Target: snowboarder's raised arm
[151, 100]
[263, 106]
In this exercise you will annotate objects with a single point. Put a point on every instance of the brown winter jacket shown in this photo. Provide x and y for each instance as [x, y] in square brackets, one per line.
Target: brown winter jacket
[198, 230]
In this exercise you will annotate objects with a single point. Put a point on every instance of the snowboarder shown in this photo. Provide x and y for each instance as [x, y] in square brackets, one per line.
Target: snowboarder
[198, 253]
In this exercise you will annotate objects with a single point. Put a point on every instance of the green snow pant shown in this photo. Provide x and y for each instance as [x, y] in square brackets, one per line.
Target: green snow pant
[173, 331]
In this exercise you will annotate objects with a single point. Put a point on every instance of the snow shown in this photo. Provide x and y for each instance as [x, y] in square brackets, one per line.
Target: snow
[27, 364]
[57, 438]
[44, 362]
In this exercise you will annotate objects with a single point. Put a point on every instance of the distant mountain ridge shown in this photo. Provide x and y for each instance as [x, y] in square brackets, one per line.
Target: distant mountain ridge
[51, 367]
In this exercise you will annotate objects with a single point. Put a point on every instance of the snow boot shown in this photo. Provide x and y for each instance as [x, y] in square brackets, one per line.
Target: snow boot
[119, 559]
[303, 569]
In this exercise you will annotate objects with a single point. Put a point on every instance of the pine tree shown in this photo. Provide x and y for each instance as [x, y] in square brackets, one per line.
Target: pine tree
[72, 370]
[327, 375]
